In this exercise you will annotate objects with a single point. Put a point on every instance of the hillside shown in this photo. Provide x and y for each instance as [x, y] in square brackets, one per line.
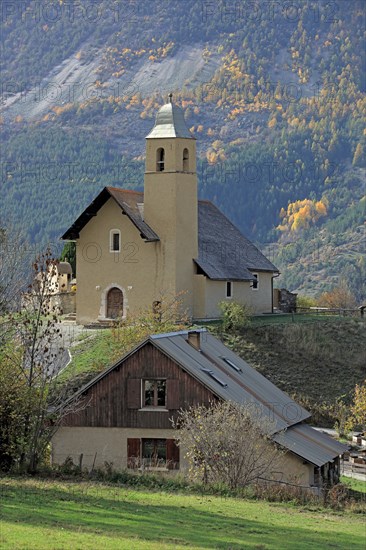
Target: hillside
[316, 361]
[274, 95]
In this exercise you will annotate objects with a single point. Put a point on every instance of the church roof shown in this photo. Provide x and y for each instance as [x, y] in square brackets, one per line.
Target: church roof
[170, 123]
[224, 253]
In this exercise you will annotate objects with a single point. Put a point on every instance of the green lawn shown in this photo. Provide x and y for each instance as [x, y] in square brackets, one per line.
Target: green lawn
[53, 515]
[354, 484]
[91, 354]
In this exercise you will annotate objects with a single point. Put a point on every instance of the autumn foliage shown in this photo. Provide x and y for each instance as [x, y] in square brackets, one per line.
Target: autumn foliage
[357, 418]
[339, 297]
[302, 214]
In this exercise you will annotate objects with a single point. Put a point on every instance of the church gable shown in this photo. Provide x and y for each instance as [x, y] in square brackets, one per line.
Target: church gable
[128, 201]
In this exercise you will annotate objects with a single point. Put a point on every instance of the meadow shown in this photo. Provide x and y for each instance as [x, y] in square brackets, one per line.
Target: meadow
[50, 514]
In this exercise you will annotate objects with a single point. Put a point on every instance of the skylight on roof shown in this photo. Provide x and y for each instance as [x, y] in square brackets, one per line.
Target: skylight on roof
[231, 364]
[214, 377]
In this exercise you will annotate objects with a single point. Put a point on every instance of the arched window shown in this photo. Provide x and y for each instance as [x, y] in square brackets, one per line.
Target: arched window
[185, 160]
[160, 154]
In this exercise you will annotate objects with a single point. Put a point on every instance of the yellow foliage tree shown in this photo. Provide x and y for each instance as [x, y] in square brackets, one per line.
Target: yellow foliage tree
[357, 418]
[301, 214]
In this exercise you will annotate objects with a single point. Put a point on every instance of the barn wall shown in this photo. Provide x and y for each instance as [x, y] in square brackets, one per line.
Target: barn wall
[107, 403]
[100, 445]
[293, 470]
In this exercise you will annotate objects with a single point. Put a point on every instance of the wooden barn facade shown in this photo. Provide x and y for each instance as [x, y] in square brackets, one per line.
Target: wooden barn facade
[125, 413]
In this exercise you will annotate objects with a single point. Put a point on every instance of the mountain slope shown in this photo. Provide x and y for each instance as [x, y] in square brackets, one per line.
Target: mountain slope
[274, 95]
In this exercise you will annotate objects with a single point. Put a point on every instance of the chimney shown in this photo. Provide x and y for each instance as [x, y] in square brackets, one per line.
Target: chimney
[194, 338]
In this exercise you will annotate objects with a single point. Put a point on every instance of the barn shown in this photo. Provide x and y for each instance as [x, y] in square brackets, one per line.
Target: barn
[127, 409]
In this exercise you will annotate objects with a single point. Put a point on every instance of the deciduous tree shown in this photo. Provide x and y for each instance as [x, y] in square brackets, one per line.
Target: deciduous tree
[33, 402]
[227, 443]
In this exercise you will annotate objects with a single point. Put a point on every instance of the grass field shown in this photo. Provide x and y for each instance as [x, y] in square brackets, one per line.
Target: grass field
[52, 515]
[354, 484]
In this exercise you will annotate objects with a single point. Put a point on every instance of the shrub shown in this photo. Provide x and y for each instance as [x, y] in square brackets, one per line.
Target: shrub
[235, 316]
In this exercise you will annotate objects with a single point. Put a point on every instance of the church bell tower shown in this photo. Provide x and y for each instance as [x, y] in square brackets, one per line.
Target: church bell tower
[170, 198]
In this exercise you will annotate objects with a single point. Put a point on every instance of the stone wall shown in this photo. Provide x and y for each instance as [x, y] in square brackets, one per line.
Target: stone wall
[284, 300]
[63, 302]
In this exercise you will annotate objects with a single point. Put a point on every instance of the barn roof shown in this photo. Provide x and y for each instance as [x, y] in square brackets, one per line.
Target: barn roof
[230, 377]
[312, 445]
[224, 253]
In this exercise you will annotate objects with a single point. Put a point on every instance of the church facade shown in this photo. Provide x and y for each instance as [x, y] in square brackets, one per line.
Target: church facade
[135, 247]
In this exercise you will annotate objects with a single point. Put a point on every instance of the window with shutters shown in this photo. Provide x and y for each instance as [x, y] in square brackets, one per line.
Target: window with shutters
[154, 393]
[152, 454]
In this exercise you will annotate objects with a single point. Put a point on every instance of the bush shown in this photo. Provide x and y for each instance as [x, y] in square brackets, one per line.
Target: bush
[305, 302]
[235, 316]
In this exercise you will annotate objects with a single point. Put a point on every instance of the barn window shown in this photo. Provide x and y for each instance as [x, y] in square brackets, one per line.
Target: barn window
[229, 289]
[160, 160]
[152, 453]
[154, 393]
[185, 160]
[255, 282]
[115, 240]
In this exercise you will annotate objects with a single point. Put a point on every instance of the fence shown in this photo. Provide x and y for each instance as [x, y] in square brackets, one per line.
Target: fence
[343, 312]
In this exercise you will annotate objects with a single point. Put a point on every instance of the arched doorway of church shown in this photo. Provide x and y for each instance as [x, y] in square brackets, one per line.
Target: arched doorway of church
[114, 303]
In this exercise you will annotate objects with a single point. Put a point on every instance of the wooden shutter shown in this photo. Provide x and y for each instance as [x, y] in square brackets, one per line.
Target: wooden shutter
[133, 452]
[172, 454]
[133, 393]
[172, 394]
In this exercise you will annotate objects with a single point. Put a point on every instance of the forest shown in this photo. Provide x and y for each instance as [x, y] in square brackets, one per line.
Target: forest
[280, 121]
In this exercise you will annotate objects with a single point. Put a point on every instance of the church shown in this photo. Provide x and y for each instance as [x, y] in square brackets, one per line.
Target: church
[133, 247]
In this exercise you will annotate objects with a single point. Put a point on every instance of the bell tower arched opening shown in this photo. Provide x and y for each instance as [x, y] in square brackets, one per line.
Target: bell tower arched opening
[185, 160]
[160, 160]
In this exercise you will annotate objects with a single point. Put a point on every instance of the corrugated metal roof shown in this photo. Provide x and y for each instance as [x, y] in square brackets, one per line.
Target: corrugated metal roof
[243, 386]
[314, 446]
[170, 123]
[224, 252]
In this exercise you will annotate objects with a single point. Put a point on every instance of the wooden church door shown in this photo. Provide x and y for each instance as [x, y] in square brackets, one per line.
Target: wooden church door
[114, 303]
